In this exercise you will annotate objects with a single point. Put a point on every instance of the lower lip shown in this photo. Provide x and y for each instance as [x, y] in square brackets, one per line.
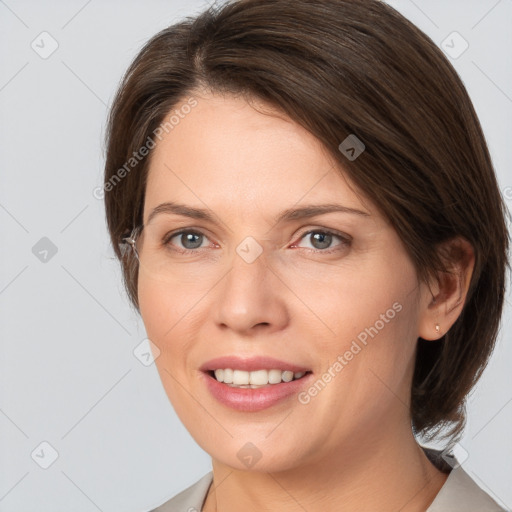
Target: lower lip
[257, 399]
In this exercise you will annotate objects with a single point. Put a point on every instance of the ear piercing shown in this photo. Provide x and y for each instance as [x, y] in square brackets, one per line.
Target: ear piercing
[438, 328]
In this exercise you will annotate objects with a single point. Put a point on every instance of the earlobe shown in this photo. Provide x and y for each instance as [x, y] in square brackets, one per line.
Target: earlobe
[447, 297]
[431, 324]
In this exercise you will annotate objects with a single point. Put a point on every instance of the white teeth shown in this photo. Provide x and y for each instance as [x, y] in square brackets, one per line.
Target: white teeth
[287, 376]
[259, 377]
[274, 376]
[228, 376]
[240, 377]
[254, 379]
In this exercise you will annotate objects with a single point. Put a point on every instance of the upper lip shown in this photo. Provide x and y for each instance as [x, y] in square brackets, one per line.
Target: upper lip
[250, 364]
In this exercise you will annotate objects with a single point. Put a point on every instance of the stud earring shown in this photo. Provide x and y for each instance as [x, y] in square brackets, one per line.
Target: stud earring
[438, 329]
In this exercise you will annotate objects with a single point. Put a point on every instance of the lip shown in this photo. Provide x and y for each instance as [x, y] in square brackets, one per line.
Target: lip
[248, 399]
[251, 364]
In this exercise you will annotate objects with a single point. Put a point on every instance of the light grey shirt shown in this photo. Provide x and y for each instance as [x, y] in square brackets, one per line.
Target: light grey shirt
[460, 493]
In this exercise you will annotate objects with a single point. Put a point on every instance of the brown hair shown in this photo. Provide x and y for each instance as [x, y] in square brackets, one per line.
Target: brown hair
[340, 67]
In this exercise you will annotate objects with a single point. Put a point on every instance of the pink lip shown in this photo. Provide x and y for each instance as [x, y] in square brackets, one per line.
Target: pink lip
[247, 399]
[253, 400]
[251, 364]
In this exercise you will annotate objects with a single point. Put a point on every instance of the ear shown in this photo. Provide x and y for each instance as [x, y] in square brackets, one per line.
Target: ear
[445, 297]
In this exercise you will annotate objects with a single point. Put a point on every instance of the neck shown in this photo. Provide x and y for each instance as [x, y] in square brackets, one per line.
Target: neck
[385, 473]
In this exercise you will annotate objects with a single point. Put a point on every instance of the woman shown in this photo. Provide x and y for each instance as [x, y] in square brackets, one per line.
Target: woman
[310, 226]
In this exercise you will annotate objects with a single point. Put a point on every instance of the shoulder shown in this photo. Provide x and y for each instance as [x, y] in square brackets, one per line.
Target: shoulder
[460, 493]
[189, 500]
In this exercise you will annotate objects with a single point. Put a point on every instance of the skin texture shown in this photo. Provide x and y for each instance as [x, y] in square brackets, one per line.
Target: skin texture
[351, 447]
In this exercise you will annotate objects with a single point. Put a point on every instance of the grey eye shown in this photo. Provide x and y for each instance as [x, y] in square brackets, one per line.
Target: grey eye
[186, 240]
[320, 240]
[191, 240]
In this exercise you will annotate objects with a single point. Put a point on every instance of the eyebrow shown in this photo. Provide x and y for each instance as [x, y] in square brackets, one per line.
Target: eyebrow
[287, 215]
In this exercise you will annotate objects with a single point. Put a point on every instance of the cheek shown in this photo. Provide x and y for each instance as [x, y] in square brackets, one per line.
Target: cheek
[166, 311]
[354, 301]
[168, 308]
[155, 311]
[373, 324]
[175, 317]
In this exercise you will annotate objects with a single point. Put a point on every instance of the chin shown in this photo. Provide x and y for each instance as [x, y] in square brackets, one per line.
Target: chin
[255, 453]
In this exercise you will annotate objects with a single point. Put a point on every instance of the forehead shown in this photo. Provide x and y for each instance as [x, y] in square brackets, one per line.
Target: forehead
[229, 155]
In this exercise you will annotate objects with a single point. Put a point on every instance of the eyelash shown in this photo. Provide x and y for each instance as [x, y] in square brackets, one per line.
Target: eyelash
[345, 240]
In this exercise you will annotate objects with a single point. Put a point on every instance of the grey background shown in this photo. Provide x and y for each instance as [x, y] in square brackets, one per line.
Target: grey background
[68, 374]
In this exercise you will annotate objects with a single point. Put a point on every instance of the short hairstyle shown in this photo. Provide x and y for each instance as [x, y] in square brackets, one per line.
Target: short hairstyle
[342, 67]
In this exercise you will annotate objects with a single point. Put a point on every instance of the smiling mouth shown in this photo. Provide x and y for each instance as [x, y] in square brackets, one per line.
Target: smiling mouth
[254, 379]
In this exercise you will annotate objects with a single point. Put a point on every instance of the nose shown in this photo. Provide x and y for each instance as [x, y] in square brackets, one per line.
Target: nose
[251, 298]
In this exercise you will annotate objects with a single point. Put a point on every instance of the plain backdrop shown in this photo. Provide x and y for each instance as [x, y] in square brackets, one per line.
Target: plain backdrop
[73, 395]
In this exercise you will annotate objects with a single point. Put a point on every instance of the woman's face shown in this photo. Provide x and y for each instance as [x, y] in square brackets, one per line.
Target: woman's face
[273, 280]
